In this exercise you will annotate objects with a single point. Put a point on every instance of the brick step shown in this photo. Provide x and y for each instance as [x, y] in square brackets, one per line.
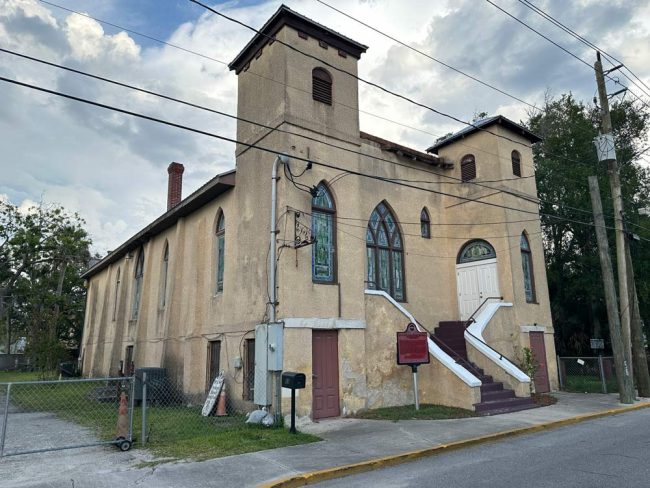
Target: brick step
[486, 378]
[511, 409]
[451, 323]
[490, 396]
[494, 386]
[503, 405]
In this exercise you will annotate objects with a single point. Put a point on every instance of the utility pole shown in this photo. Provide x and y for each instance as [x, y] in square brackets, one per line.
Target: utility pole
[607, 153]
[623, 372]
[639, 360]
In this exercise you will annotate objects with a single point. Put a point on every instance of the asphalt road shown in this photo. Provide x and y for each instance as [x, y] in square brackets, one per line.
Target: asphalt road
[609, 452]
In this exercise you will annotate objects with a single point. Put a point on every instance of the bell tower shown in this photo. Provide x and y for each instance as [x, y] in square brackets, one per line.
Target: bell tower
[293, 74]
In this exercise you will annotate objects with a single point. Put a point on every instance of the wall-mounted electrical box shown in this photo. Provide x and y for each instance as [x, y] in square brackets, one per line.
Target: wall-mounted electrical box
[269, 351]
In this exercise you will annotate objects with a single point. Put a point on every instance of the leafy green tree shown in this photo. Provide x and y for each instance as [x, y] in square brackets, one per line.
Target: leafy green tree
[563, 161]
[43, 252]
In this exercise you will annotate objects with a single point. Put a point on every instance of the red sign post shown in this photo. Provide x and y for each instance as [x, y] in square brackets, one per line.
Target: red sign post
[413, 350]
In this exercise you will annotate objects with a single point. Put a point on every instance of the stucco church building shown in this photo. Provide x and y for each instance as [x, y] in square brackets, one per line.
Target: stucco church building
[372, 236]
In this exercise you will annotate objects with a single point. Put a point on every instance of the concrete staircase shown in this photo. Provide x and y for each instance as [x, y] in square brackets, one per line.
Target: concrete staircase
[495, 399]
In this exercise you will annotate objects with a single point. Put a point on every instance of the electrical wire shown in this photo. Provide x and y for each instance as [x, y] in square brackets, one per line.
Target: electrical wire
[275, 152]
[448, 66]
[371, 114]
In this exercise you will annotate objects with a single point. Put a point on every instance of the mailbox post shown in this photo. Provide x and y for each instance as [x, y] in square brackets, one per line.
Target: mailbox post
[413, 350]
[293, 381]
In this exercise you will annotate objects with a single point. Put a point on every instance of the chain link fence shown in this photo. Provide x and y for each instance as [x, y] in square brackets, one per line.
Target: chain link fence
[587, 374]
[40, 416]
[37, 416]
[168, 416]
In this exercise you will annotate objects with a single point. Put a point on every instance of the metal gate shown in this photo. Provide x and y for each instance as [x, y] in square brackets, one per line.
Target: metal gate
[39, 416]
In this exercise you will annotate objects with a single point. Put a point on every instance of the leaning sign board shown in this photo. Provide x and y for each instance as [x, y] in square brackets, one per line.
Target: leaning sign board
[412, 346]
[208, 406]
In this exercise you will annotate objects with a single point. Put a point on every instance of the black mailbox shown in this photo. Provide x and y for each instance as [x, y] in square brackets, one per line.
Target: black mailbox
[294, 381]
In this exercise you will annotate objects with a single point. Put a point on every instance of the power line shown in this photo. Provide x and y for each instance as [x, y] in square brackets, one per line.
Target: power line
[371, 114]
[189, 51]
[358, 78]
[275, 152]
[555, 44]
[585, 41]
[448, 66]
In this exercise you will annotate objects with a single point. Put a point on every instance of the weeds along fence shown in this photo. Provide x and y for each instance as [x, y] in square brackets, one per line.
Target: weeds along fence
[587, 374]
[167, 416]
[148, 409]
[40, 416]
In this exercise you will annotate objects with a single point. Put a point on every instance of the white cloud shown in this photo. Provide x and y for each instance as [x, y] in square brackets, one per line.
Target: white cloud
[111, 168]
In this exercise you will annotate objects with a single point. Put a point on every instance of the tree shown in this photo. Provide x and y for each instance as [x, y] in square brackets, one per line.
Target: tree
[43, 252]
[563, 160]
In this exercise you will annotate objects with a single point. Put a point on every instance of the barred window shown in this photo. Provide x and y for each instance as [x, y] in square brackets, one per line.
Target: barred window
[468, 168]
[321, 86]
[516, 163]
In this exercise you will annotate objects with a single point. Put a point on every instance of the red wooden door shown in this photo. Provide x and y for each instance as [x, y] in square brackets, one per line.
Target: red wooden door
[325, 377]
[539, 354]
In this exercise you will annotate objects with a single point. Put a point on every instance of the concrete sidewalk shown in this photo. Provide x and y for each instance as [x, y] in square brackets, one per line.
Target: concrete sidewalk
[346, 441]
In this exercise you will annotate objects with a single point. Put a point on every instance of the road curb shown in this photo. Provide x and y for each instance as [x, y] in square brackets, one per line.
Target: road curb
[312, 477]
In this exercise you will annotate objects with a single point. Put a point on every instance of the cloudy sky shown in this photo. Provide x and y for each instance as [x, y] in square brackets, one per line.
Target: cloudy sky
[112, 169]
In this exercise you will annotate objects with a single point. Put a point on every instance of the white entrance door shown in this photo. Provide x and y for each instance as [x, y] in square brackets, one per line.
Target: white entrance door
[476, 281]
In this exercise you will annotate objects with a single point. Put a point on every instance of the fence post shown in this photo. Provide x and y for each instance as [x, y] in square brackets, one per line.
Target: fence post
[132, 403]
[560, 372]
[4, 422]
[602, 373]
[144, 407]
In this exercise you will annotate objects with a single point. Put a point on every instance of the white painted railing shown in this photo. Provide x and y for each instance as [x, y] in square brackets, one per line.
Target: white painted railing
[474, 336]
[434, 350]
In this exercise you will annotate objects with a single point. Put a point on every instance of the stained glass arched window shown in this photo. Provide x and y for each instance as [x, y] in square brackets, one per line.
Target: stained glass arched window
[163, 276]
[323, 228]
[137, 289]
[527, 266]
[385, 253]
[425, 223]
[220, 250]
[476, 251]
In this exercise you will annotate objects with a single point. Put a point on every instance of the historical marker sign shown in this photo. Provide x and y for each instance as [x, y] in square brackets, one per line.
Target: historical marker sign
[412, 346]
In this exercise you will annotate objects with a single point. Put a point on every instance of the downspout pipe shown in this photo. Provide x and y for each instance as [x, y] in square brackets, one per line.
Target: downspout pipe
[272, 285]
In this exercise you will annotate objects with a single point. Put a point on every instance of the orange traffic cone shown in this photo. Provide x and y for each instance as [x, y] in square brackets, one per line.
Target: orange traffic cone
[221, 403]
[122, 418]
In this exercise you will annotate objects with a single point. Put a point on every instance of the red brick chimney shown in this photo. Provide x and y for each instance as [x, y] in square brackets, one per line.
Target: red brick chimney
[175, 185]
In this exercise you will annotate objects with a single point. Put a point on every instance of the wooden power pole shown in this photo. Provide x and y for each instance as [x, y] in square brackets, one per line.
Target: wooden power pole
[639, 360]
[623, 372]
[608, 154]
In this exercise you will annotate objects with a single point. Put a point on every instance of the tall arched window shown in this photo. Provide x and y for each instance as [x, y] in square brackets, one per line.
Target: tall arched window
[163, 276]
[425, 223]
[323, 229]
[137, 289]
[321, 86]
[467, 167]
[221, 243]
[527, 266]
[385, 253]
[117, 293]
[516, 163]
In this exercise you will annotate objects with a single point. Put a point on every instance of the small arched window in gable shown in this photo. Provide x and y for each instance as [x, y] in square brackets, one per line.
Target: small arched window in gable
[221, 245]
[137, 291]
[425, 223]
[468, 168]
[516, 163]
[527, 266]
[323, 229]
[321, 86]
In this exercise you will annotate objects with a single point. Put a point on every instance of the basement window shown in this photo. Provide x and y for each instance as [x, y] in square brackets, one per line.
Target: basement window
[321, 86]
